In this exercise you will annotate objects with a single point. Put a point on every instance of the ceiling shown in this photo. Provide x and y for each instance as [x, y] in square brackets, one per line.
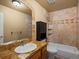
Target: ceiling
[22, 8]
[59, 4]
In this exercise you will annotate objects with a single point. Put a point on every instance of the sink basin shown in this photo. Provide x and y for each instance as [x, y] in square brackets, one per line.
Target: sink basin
[26, 48]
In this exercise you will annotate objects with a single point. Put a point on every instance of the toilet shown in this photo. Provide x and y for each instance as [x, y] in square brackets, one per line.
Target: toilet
[52, 51]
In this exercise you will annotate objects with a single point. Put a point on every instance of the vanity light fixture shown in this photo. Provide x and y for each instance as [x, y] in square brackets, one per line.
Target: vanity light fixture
[16, 2]
[51, 1]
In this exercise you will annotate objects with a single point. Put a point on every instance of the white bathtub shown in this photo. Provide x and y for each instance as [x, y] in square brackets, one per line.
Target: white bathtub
[65, 51]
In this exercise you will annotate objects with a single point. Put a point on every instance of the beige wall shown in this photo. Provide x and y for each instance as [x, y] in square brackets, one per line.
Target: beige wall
[16, 22]
[38, 14]
[78, 26]
[64, 26]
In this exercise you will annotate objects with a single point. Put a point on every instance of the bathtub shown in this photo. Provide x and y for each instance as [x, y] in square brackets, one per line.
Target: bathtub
[65, 51]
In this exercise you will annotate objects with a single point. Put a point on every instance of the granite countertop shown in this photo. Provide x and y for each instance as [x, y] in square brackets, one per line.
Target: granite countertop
[10, 54]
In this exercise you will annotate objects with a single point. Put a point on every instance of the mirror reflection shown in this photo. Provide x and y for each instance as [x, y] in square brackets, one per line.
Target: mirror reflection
[15, 21]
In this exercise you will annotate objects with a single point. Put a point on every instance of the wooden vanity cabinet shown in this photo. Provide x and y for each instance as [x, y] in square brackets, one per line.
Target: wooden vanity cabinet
[40, 54]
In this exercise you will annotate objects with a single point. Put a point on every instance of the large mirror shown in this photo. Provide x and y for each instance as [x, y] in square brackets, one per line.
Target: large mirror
[15, 21]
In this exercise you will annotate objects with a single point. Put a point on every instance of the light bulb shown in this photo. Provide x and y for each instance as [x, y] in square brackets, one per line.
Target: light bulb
[16, 3]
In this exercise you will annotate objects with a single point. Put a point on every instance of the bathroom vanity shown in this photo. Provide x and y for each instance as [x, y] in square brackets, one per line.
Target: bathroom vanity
[39, 53]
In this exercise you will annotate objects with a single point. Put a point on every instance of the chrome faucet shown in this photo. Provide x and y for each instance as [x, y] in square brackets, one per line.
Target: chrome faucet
[22, 43]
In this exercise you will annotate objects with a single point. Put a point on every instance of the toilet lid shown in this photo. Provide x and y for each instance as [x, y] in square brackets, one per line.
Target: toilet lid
[51, 49]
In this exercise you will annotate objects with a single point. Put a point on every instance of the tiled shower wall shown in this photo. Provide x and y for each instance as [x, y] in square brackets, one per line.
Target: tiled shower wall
[63, 26]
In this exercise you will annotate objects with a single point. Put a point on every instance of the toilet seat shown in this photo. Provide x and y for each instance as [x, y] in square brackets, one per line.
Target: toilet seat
[52, 49]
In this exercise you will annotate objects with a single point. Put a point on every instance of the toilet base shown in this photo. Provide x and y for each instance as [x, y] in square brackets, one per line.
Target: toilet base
[51, 55]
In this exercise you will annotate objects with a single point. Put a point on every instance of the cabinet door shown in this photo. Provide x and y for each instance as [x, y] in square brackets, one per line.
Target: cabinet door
[37, 55]
[44, 53]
